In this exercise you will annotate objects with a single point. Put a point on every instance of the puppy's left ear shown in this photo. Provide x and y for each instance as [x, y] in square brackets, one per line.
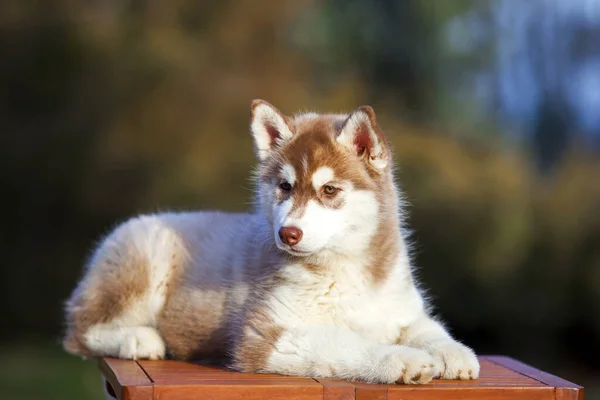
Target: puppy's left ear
[360, 134]
[269, 127]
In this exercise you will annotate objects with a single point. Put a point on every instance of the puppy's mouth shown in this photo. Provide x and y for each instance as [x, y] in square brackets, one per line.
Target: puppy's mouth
[293, 250]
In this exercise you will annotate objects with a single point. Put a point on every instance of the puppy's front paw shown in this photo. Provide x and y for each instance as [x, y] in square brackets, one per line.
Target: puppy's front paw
[408, 365]
[455, 361]
[142, 343]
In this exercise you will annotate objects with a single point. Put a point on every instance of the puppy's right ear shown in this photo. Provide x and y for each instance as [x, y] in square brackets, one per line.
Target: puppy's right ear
[269, 127]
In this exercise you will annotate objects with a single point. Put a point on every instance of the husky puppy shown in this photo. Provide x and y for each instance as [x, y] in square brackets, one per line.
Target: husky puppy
[316, 281]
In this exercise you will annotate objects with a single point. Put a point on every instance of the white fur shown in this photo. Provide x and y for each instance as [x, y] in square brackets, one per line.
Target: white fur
[158, 243]
[322, 176]
[305, 116]
[280, 216]
[133, 333]
[344, 230]
[342, 297]
[452, 358]
[265, 114]
[134, 343]
[289, 173]
[322, 351]
[335, 330]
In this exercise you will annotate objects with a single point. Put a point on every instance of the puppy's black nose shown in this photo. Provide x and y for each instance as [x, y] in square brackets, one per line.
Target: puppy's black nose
[290, 235]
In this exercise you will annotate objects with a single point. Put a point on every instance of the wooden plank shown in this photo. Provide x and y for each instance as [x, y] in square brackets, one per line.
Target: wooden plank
[500, 378]
[127, 378]
[166, 371]
[179, 380]
[241, 391]
[370, 391]
[426, 392]
[564, 390]
[334, 389]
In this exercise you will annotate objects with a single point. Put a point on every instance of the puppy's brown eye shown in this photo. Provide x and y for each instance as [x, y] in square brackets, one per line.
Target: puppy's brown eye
[329, 190]
[285, 186]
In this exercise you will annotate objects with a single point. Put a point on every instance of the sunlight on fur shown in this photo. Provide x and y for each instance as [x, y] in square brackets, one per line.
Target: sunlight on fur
[316, 281]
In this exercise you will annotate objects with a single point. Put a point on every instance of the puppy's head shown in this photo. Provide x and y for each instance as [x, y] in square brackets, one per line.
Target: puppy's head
[322, 179]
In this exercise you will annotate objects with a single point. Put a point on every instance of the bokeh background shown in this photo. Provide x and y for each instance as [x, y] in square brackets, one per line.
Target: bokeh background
[112, 108]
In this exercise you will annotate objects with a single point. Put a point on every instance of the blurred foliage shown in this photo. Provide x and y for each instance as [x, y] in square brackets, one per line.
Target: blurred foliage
[108, 109]
[42, 371]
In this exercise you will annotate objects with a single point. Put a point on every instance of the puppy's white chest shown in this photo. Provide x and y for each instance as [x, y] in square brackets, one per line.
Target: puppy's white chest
[340, 303]
[348, 301]
[360, 309]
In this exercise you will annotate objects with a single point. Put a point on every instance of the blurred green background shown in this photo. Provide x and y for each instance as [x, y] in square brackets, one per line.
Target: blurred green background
[112, 108]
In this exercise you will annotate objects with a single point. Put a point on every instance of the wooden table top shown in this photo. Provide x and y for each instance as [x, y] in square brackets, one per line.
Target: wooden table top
[501, 378]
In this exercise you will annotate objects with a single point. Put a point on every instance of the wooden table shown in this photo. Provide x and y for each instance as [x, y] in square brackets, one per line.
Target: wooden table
[501, 378]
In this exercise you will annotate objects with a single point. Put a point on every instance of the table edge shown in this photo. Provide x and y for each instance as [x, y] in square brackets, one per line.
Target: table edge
[124, 388]
[532, 372]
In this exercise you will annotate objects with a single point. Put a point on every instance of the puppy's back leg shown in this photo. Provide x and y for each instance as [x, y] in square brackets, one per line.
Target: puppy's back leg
[113, 311]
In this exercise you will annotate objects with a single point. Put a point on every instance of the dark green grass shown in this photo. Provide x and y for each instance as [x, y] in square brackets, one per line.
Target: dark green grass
[43, 371]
